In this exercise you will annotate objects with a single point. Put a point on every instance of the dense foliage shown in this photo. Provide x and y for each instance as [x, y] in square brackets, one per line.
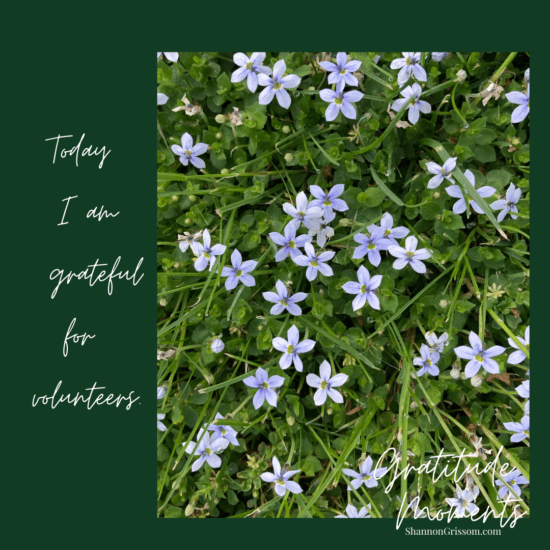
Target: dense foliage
[260, 157]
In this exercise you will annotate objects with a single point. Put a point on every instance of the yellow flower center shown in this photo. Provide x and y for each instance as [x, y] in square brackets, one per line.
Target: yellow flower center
[323, 384]
[277, 86]
[371, 246]
[479, 358]
[292, 244]
[188, 152]
[265, 385]
[249, 65]
[314, 263]
[363, 289]
[239, 273]
[338, 100]
[327, 203]
[290, 349]
[409, 254]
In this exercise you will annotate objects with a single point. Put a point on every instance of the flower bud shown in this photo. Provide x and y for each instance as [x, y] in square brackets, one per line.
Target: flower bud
[461, 75]
[175, 198]
[219, 135]
[189, 509]
[290, 420]
[455, 372]
[286, 129]
[221, 119]
[163, 301]
[476, 381]
[217, 345]
[289, 157]
[224, 171]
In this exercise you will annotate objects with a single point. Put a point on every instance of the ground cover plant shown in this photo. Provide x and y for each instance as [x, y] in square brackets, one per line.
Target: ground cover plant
[343, 269]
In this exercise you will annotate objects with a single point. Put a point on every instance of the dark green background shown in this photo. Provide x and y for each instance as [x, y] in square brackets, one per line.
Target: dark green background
[83, 478]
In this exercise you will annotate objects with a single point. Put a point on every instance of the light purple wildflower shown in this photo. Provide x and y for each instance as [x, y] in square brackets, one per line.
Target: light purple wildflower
[283, 300]
[160, 425]
[315, 262]
[264, 385]
[281, 479]
[304, 213]
[325, 384]
[192, 240]
[478, 356]
[440, 56]
[523, 391]
[411, 98]
[441, 172]
[189, 153]
[292, 348]
[226, 432]
[521, 428]
[206, 450]
[290, 243]
[522, 100]
[509, 204]
[428, 361]
[207, 253]
[458, 193]
[366, 474]
[409, 255]
[518, 356]
[352, 512]
[171, 56]
[435, 343]
[410, 66]
[364, 289]
[325, 231]
[161, 98]
[239, 271]
[371, 245]
[341, 71]
[328, 200]
[340, 102]
[391, 233]
[514, 479]
[217, 345]
[463, 502]
[250, 68]
[275, 85]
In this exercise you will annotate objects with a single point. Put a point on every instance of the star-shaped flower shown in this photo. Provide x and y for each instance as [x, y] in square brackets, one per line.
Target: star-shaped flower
[522, 100]
[521, 429]
[304, 213]
[435, 343]
[441, 172]
[340, 102]
[206, 450]
[250, 68]
[410, 66]
[315, 262]
[523, 391]
[328, 200]
[264, 385]
[371, 245]
[342, 70]
[519, 356]
[411, 98]
[207, 253]
[161, 99]
[217, 345]
[292, 348]
[325, 231]
[226, 432]
[409, 255]
[239, 271]
[189, 153]
[391, 233]
[463, 502]
[290, 243]
[275, 85]
[366, 474]
[458, 193]
[515, 479]
[478, 356]
[326, 384]
[509, 204]
[281, 479]
[364, 289]
[428, 361]
[283, 300]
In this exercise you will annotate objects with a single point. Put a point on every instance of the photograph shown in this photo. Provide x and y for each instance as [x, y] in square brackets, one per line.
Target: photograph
[343, 287]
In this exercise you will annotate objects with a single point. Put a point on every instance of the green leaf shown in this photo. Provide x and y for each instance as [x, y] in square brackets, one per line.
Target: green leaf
[385, 188]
